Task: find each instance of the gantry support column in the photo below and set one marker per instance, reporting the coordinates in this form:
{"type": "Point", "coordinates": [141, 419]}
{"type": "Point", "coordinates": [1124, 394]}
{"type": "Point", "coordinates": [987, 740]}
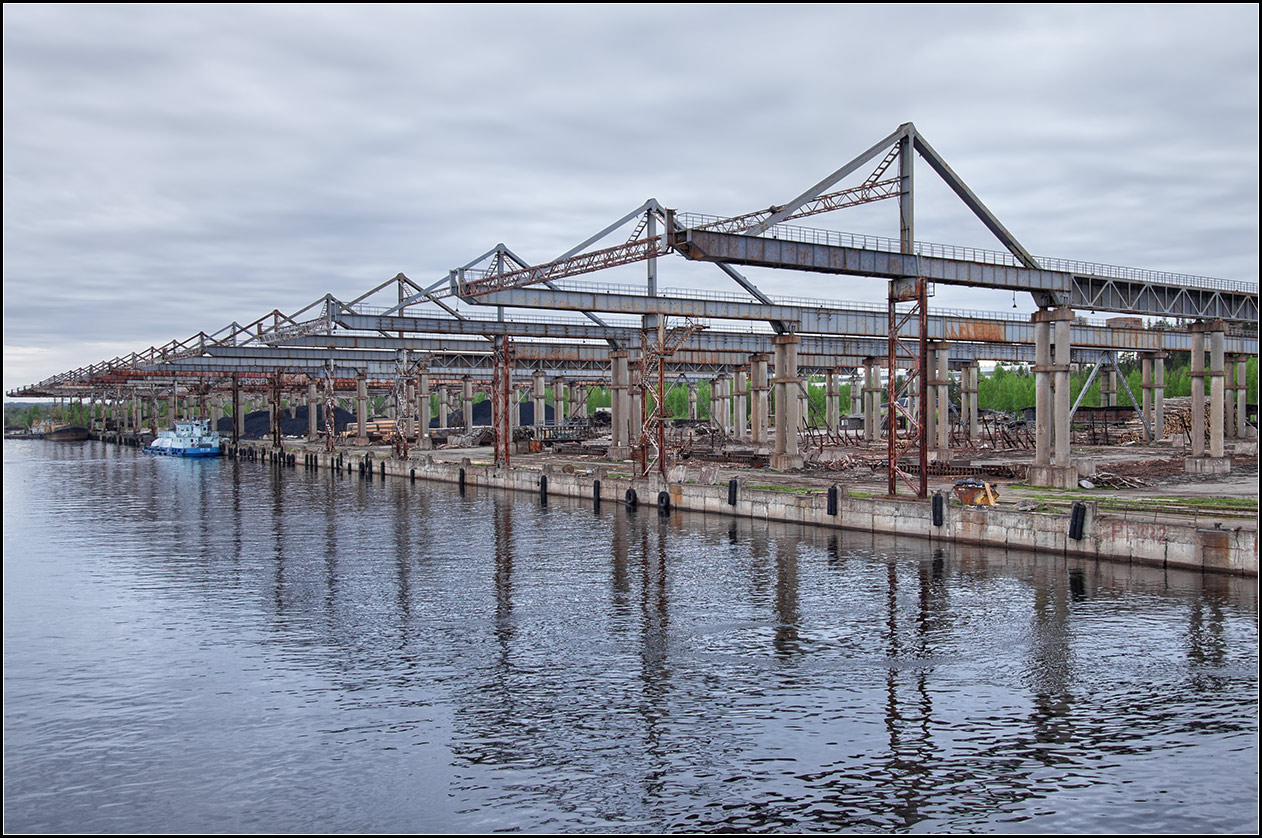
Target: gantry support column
{"type": "Point", "coordinates": [758, 401]}
{"type": "Point", "coordinates": [1052, 466]}
{"type": "Point", "coordinates": [467, 403]}
{"type": "Point", "coordinates": [620, 402]}
{"type": "Point", "coordinates": [538, 396]}
{"type": "Point", "coordinates": [740, 414]}
{"type": "Point", "coordinates": [312, 415]}
{"type": "Point", "coordinates": [938, 410]}
{"type": "Point", "coordinates": [871, 400]}
{"type": "Point", "coordinates": [1145, 386]}
{"type": "Point", "coordinates": [1215, 462]}
{"type": "Point", "coordinates": [1242, 396]}
{"type": "Point", "coordinates": [409, 410]}
{"type": "Point", "coordinates": [692, 400]}
{"type": "Point", "coordinates": [558, 401]}
{"type": "Point", "coordinates": [969, 416]}
{"type": "Point", "coordinates": [361, 410]}
{"type": "Point", "coordinates": [422, 410]}
{"type": "Point", "coordinates": [1229, 397]}
{"type": "Point", "coordinates": [787, 454]}
{"type": "Point", "coordinates": [444, 407]}
{"type": "Point", "coordinates": [856, 393]}
{"type": "Point", "coordinates": [832, 402]}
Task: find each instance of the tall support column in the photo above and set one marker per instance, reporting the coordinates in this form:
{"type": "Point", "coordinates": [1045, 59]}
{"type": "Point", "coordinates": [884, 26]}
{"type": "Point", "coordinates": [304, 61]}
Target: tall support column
{"type": "Point", "coordinates": [787, 382]}
{"type": "Point", "coordinates": [940, 436]}
{"type": "Point", "coordinates": [467, 403]}
{"type": "Point", "coordinates": [444, 407]}
{"type": "Point", "coordinates": [1197, 374]}
{"type": "Point", "coordinates": [409, 409]}
{"type": "Point", "coordinates": [538, 396]}
{"type": "Point", "coordinates": [1159, 394]}
{"type": "Point", "coordinates": [1229, 397]}
{"type": "Point", "coordinates": [559, 397]}
{"type": "Point", "coordinates": [804, 407]}
{"type": "Point", "coordinates": [1108, 389]}
{"type": "Point", "coordinates": [832, 402]}
{"type": "Point", "coordinates": [635, 391]}
{"type": "Point", "coordinates": [578, 400]}
{"type": "Point", "coordinates": [620, 407]}
{"type": "Point", "coordinates": [856, 393]}
{"type": "Point", "coordinates": [1060, 355]}
{"type": "Point", "coordinates": [692, 400]}
{"type": "Point", "coordinates": [1145, 386]}
{"type": "Point", "coordinates": [871, 400]}
{"type": "Point", "coordinates": [944, 401]}
{"type": "Point", "coordinates": [312, 415]}
{"type": "Point", "coordinates": [1051, 395]}
{"type": "Point", "coordinates": [758, 401]}
{"type": "Point", "coordinates": [1042, 392]}
{"type": "Point", "coordinates": [361, 410]}
{"type": "Point", "coordinates": [974, 409]}
{"type": "Point", "coordinates": [1217, 370]}
{"type": "Point", "coordinates": [1242, 395]}
{"type": "Point", "coordinates": [740, 413]}
{"type": "Point", "coordinates": [423, 405]}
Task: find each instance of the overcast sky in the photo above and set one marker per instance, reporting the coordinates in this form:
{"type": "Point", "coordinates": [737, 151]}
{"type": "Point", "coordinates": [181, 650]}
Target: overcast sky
{"type": "Point", "coordinates": [170, 169]}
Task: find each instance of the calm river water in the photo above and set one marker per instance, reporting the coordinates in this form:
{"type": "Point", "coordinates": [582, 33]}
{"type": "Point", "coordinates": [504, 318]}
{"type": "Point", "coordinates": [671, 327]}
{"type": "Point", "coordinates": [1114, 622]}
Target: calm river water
{"type": "Point", "coordinates": [234, 647]}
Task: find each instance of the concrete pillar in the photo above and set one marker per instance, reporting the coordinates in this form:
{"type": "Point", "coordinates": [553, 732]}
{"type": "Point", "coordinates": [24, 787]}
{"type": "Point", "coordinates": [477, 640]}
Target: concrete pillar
{"type": "Point", "coordinates": [312, 431]}
{"type": "Point", "coordinates": [1145, 386]}
{"type": "Point", "coordinates": [636, 393]}
{"type": "Point", "coordinates": [216, 409]}
{"type": "Point", "coordinates": [422, 404]}
{"type": "Point", "coordinates": [620, 402]}
{"type": "Point", "coordinates": [787, 454]}
{"type": "Point", "coordinates": [467, 403]}
{"type": "Point", "coordinates": [832, 402]}
{"type": "Point", "coordinates": [940, 407]}
{"type": "Point", "coordinates": [856, 393]}
{"type": "Point", "coordinates": [1217, 370]}
{"type": "Point", "coordinates": [1051, 370]}
{"type": "Point", "coordinates": [1159, 395]}
{"type": "Point", "coordinates": [1242, 396]}
{"type": "Point", "coordinates": [1060, 356]}
{"type": "Point", "coordinates": [409, 408]}
{"type": "Point", "coordinates": [578, 401]}
{"type": "Point", "coordinates": [1108, 388]}
{"type": "Point", "coordinates": [871, 400]}
{"type": "Point", "coordinates": [758, 401]}
{"type": "Point", "coordinates": [1042, 392]}
{"type": "Point", "coordinates": [974, 411]}
{"type": "Point", "coordinates": [740, 414]}
{"type": "Point", "coordinates": [804, 407]}
{"type": "Point", "coordinates": [238, 419]}
{"type": "Point", "coordinates": [1229, 399]}
{"type": "Point", "coordinates": [559, 395]}
{"type": "Point", "coordinates": [444, 407]}
{"type": "Point", "coordinates": [361, 409]}
{"type": "Point", "coordinates": [538, 396]}
{"type": "Point", "coordinates": [1197, 375]}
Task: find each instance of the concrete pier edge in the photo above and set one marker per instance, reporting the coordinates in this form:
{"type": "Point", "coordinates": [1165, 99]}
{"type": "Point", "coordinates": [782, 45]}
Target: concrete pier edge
{"type": "Point", "coordinates": [1105, 536]}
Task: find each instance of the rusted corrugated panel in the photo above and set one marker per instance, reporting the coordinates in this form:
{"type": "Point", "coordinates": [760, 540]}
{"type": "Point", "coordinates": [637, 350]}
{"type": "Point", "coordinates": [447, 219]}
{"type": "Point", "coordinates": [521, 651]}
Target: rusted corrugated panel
{"type": "Point", "coordinates": [980, 331]}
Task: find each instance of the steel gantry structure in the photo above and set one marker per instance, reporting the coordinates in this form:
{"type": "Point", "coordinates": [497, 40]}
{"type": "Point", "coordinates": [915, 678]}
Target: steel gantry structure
{"type": "Point", "coordinates": [420, 340]}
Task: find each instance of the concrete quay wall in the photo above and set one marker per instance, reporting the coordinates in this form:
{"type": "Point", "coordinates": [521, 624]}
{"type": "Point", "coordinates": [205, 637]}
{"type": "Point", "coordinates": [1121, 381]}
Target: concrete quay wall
{"type": "Point", "coordinates": [1103, 536]}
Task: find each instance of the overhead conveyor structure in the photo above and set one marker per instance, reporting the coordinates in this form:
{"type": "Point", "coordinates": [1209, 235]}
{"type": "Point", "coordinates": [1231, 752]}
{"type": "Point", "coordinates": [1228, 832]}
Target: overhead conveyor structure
{"type": "Point", "coordinates": [408, 339]}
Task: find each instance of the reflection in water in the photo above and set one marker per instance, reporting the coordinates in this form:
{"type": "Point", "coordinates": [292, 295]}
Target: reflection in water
{"type": "Point", "coordinates": [346, 654]}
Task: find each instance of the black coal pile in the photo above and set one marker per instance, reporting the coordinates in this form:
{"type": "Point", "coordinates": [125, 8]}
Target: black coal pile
{"type": "Point", "coordinates": [482, 415]}
{"type": "Point", "coordinates": [257, 424]}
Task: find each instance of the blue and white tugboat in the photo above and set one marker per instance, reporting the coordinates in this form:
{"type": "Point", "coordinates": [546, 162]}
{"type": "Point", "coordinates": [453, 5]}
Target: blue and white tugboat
{"type": "Point", "coordinates": [188, 439]}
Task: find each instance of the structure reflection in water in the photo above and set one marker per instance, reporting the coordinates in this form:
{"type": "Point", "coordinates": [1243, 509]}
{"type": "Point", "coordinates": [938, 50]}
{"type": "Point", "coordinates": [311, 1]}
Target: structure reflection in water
{"type": "Point", "coordinates": [407, 654]}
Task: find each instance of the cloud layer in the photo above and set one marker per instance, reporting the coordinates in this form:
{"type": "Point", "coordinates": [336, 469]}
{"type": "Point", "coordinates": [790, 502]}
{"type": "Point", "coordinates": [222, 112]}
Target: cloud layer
{"type": "Point", "coordinates": [169, 169]}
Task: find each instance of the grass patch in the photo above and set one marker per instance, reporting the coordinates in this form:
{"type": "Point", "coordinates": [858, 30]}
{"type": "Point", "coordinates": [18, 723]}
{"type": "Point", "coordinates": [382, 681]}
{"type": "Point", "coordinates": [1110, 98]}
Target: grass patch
{"type": "Point", "coordinates": [769, 487]}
